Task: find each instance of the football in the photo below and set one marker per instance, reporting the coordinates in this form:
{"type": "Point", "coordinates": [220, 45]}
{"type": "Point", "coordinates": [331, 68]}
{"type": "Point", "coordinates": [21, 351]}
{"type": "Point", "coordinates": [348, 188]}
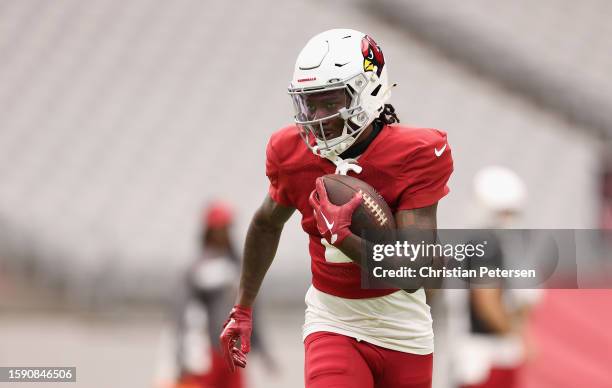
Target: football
{"type": "Point", "coordinates": [373, 218]}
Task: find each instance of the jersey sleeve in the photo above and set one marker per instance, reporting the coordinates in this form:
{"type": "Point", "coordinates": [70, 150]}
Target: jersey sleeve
{"type": "Point", "coordinates": [426, 172]}
{"type": "Point", "coordinates": [277, 191]}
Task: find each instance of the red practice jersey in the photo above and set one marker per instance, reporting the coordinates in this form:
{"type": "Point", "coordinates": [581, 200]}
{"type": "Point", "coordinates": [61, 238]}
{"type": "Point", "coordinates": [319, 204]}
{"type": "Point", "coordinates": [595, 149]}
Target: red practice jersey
{"type": "Point", "coordinates": [409, 167]}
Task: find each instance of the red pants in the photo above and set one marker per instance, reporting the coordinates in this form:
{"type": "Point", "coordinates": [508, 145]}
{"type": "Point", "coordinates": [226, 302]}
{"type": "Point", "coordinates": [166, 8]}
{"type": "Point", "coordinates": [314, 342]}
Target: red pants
{"type": "Point", "coordinates": [219, 376]}
{"type": "Point", "coordinates": [338, 361]}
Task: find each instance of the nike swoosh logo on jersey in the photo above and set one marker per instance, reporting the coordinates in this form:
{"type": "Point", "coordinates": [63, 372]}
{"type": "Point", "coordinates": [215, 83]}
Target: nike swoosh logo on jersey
{"type": "Point", "coordinates": [329, 225]}
{"type": "Point", "coordinates": [440, 151]}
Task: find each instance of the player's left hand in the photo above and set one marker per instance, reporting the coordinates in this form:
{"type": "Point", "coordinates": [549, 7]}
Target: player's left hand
{"type": "Point", "coordinates": [333, 221]}
{"type": "Point", "coordinates": [239, 326]}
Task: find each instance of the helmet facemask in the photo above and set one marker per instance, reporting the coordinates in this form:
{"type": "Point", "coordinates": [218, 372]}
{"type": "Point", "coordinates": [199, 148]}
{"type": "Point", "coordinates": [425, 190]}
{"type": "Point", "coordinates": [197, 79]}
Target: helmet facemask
{"type": "Point", "coordinates": [321, 111]}
{"type": "Point", "coordinates": [346, 62]}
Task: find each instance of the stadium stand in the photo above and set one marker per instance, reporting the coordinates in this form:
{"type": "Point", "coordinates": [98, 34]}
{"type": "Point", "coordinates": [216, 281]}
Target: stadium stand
{"type": "Point", "coordinates": [118, 119]}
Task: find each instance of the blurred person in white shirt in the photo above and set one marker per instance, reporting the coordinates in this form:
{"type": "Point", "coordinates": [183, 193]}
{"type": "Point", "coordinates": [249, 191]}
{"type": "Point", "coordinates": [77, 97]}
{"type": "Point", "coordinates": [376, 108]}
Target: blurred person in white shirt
{"type": "Point", "coordinates": [488, 324]}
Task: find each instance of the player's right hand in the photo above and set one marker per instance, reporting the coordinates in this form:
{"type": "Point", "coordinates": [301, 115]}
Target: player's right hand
{"type": "Point", "coordinates": [237, 327]}
{"type": "Point", "coordinates": [332, 221]}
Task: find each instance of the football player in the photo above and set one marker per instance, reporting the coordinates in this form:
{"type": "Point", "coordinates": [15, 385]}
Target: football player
{"type": "Point", "coordinates": [353, 337]}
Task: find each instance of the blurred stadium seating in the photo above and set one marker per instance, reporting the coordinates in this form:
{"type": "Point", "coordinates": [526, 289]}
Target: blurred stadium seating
{"type": "Point", "coordinates": [556, 53]}
{"type": "Point", "coordinates": [119, 119]}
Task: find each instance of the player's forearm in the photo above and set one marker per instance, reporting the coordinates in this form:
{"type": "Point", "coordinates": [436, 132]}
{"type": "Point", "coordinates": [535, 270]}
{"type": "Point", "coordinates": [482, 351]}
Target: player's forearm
{"type": "Point", "coordinates": [259, 251]}
{"type": "Point", "coordinates": [357, 250]}
{"type": "Point", "coordinates": [353, 247]}
{"type": "Point", "coordinates": [490, 309]}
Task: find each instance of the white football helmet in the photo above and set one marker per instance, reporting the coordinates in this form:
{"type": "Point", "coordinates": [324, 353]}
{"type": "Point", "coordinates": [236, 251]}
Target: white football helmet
{"type": "Point", "coordinates": [500, 189]}
{"type": "Point", "coordinates": [339, 60]}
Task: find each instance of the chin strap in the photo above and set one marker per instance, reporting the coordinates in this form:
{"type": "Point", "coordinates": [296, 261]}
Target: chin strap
{"type": "Point", "coordinates": [343, 166]}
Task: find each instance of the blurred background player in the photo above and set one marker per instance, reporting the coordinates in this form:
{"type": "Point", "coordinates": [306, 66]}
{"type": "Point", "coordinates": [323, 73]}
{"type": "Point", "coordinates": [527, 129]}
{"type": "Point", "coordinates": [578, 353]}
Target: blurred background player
{"type": "Point", "coordinates": [488, 324]}
{"type": "Point", "coordinates": [606, 193]}
{"type": "Point", "coordinates": [211, 291]}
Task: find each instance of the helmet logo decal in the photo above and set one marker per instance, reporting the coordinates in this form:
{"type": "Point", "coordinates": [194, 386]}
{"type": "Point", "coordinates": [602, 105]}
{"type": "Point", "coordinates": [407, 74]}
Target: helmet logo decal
{"type": "Point", "coordinates": [373, 59]}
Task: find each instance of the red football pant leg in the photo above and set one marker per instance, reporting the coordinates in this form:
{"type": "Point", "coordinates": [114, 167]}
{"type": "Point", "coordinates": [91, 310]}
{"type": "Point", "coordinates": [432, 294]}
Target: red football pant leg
{"type": "Point", "coordinates": [338, 361]}
{"type": "Point", "coordinates": [219, 375]}
{"type": "Point", "coordinates": [332, 361]}
{"type": "Point", "coordinates": [404, 370]}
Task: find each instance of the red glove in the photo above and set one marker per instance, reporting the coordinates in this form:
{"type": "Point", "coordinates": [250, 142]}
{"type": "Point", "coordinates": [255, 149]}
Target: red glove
{"type": "Point", "coordinates": [332, 221]}
{"type": "Point", "coordinates": [237, 327]}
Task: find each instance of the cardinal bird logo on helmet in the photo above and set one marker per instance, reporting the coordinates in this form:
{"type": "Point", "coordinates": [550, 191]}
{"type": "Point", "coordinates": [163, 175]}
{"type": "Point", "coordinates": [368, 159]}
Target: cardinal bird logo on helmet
{"type": "Point", "coordinates": [373, 59]}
